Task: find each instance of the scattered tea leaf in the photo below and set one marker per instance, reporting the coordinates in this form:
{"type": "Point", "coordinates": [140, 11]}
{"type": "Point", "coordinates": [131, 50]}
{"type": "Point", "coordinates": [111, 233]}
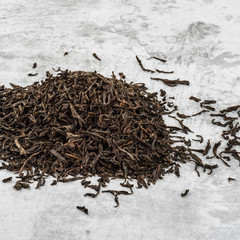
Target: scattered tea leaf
{"type": "Point", "coordinates": [6, 180]}
{"type": "Point", "coordinates": [83, 209]}
{"type": "Point", "coordinates": [95, 55]}
{"type": "Point", "coordinates": [185, 193]}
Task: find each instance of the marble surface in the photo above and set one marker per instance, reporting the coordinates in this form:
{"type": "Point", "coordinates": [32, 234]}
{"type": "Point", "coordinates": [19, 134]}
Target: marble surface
{"type": "Point", "coordinates": [201, 41]}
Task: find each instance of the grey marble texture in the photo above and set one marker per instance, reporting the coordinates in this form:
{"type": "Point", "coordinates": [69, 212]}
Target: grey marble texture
{"type": "Point", "coordinates": [201, 41]}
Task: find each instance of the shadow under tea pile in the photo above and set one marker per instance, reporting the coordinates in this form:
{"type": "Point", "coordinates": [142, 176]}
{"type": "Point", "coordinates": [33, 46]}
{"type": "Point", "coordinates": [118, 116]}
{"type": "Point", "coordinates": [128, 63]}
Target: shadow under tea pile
{"type": "Point", "coordinates": [83, 124]}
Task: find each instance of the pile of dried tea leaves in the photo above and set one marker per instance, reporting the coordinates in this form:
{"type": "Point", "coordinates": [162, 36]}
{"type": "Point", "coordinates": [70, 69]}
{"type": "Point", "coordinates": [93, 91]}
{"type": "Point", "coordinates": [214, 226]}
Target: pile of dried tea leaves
{"type": "Point", "coordinates": [79, 124]}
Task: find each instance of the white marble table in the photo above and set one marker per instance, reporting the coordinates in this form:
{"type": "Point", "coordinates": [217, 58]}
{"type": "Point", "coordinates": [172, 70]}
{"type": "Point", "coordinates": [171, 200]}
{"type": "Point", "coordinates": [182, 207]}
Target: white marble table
{"type": "Point", "coordinates": [200, 39]}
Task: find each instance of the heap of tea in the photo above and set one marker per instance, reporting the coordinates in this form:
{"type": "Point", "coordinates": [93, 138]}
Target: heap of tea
{"type": "Point", "coordinates": [81, 124]}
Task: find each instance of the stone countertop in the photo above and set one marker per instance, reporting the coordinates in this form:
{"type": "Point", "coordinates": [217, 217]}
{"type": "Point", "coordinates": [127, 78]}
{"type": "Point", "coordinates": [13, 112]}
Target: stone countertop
{"type": "Point", "coordinates": [201, 41]}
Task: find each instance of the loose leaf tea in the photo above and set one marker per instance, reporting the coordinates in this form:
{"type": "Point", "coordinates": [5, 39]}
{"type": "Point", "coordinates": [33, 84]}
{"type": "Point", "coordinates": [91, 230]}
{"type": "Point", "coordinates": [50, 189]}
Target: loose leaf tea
{"type": "Point", "coordinates": [199, 140]}
{"type": "Point", "coordinates": [195, 99]}
{"type": "Point", "coordinates": [95, 55]}
{"type": "Point", "coordinates": [230, 123]}
{"type": "Point", "coordinates": [142, 67]}
{"type": "Point", "coordinates": [207, 102]}
{"type": "Point", "coordinates": [9, 179]}
{"type": "Point", "coordinates": [209, 108]}
{"type": "Point", "coordinates": [185, 129]}
{"type": "Point", "coordinates": [54, 182]}
{"type": "Point", "coordinates": [231, 179]}
{"type": "Point", "coordinates": [79, 124]}
{"type": "Point", "coordinates": [207, 148]}
{"type": "Point", "coordinates": [199, 113]}
{"type": "Point", "coordinates": [230, 109]}
{"type": "Point", "coordinates": [157, 58]}
{"type": "Point", "coordinates": [183, 115]}
{"type": "Point", "coordinates": [162, 93]}
{"type": "Point", "coordinates": [116, 194]}
{"type": "Point", "coordinates": [172, 83]}
{"type": "Point", "coordinates": [122, 75]}
{"type": "Point", "coordinates": [19, 185]}
{"type": "Point", "coordinates": [83, 209]}
{"type": "Point", "coordinates": [185, 193]}
{"type": "Point", "coordinates": [32, 74]}
{"type": "Point", "coordinates": [165, 72]}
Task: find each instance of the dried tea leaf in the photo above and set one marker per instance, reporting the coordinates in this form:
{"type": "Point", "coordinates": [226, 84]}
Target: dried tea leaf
{"type": "Point", "coordinates": [83, 209]}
